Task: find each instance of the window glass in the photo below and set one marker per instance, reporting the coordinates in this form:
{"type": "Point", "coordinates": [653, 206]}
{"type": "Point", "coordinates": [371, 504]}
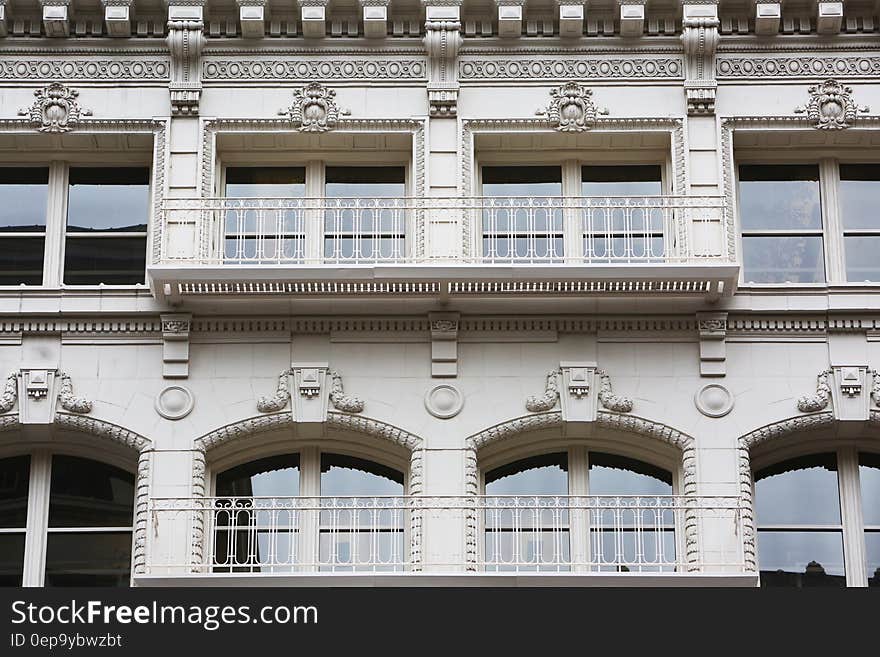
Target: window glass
{"type": "Point", "coordinates": [862, 263]}
{"type": "Point", "coordinates": [24, 191]}
{"type": "Point", "coordinates": [265, 182]}
{"type": "Point", "coordinates": [93, 559]}
{"type": "Point", "coordinates": [275, 476]}
{"type": "Point", "coordinates": [779, 197]}
{"type": "Point", "coordinates": [869, 480]}
{"type": "Point", "coordinates": [621, 180]}
{"type": "Point", "coordinates": [86, 493]}
{"type": "Point", "coordinates": [860, 195]}
{"type": "Point", "coordinates": [618, 475]}
{"type": "Point", "coordinates": [349, 476]}
{"type": "Point", "coordinates": [108, 199]}
{"type": "Point", "coordinates": [793, 558]}
{"type": "Point", "coordinates": [95, 260]}
{"type": "Point", "coordinates": [538, 475]}
{"type": "Point", "coordinates": [783, 259]}
{"type": "Point", "coordinates": [11, 559]}
{"type": "Point", "coordinates": [14, 474]}
{"type": "Point", "coordinates": [365, 182]}
{"type": "Point", "coordinates": [522, 181]}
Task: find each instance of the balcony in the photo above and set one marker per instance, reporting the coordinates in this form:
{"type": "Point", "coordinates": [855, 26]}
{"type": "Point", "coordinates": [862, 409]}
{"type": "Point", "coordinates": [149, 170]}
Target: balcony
{"type": "Point", "coordinates": [443, 247]}
{"type": "Point", "coordinates": [252, 540]}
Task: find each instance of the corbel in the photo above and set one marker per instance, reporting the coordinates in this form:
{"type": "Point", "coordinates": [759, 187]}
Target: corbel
{"type": "Point", "coordinates": [117, 17]}
{"type": "Point", "coordinates": [186, 23]}
{"type": "Point", "coordinates": [3, 17]}
{"type": "Point", "coordinates": [313, 18]}
{"type": "Point", "coordinates": [375, 18]}
{"type": "Point", "coordinates": [632, 17]}
{"type": "Point", "coordinates": [56, 17]}
{"type": "Point", "coordinates": [829, 17]}
{"type": "Point", "coordinates": [310, 392]}
{"type": "Point", "coordinates": [510, 17]}
{"type": "Point", "coordinates": [252, 18]}
{"type": "Point", "coordinates": [767, 17]}
{"type": "Point", "coordinates": [571, 18]}
{"type": "Point", "coordinates": [578, 397]}
{"type": "Point", "coordinates": [442, 43]}
{"type": "Point", "coordinates": [700, 38]}
{"type": "Point", "coordinates": [712, 328]}
{"type": "Point", "coordinates": [175, 345]}
{"type": "Point", "coordinates": [36, 394]}
{"type": "Point", "coordinates": [850, 392]}
{"type": "Point", "coordinates": [444, 344]}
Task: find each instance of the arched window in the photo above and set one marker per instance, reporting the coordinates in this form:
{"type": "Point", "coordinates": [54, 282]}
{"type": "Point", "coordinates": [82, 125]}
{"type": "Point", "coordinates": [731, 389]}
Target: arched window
{"type": "Point", "coordinates": [579, 510]}
{"type": "Point", "coordinates": [85, 531]}
{"type": "Point", "coordinates": [818, 520]}
{"type": "Point", "coordinates": [309, 511]}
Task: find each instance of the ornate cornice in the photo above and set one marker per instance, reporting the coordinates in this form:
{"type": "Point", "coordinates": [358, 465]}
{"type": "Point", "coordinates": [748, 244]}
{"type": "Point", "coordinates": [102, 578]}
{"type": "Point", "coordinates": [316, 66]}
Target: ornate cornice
{"type": "Point", "coordinates": [61, 67]}
{"type": "Point", "coordinates": [804, 66]}
{"type": "Point", "coordinates": [411, 69]}
{"type": "Point", "coordinates": [559, 69]}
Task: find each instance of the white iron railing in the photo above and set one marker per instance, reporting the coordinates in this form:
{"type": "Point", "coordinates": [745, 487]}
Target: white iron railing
{"type": "Point", "coordinates": [500, 230]}
{"type": "Point", "coordinates": [653, 534]}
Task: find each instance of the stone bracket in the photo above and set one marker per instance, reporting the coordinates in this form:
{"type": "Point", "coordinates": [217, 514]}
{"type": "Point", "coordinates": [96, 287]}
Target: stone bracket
{"type": "Point", "coordinates": [185, 42]}
{"type": "Point", "coordinates": [851, 394]}
{"type": "Point", "coordinates": [712, 328]}
{"type": "Point", "coordinates": [442, 43]}
{"type": "Point", "coordinates": [444, 344]}
{"type": "Point", "coordinates": [579, 395]}
{"type": "Point", "coordinates": [175, 345]}
{"type": "Point", "coordinates": [310, 392]}
{"type": "Point", "coordinates": [700, 38]}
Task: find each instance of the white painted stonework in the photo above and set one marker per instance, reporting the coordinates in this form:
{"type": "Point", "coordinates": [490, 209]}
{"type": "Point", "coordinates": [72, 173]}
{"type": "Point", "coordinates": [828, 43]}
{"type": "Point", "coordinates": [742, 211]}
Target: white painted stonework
{"type": "Point", "coordinates": [440, 360]}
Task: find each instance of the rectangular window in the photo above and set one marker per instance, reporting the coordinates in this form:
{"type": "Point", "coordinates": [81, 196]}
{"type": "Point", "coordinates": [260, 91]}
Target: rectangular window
{"type": "Point", "coordinates": [14, 483]}
{"type": "Point", "coordinates": [266, 221]}
{"type": "Point", "coordinates": [522, 214]}
{"type": "Point", "coordinates": [364, 216]}
{"type": "Point", "coordinates": [24, 192]}
{"type": "Point", "coordinates": [860, 216]}
{"type": "Point", "coordinates": [622, 217]}
{"type": "Point", "coordinates": [107, 214]}
{"type": "Point", "coordinates": [781, 218]}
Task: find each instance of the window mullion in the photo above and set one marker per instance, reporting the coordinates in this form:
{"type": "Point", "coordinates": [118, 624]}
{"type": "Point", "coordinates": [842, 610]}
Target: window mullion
{"type": "Point", "coordinates": [309, 518]}
{"type": "Point", "coordinates": [578, 513]}
{"type": "Point", "coordinates": [56, 218]}
{"type": "Point", "coordinates": [314, 218]}
{"type": "Point", "coordinates": [832, 222]}
{"type": "Point", "coordinates": [37, 519]}
{"type": "Point", "coordinates": [573, 220]}
{"type": "Point", "coordinates": [851, 516]}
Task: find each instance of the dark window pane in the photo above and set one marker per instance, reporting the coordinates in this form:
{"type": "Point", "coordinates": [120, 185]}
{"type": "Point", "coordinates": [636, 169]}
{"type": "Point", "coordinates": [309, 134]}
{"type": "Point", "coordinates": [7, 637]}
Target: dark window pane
{"type": "Point", "coordinates": [88, 559]}
{"type": "Point", "coordinates": [860, 195]}
{"type": "Point", "coordinates": [108, 260]}
{"type": "Point", "coordinates": [777, 197]}
{"type": "Point", "coordinates": [872, 557]}
{"type": "Point", "coordinates": [346, 475]}
{"type": "Point", "coordinates": [11, 559]}
{"type": "Point", "coordinates": [86, 493]}
{"type": "Point", "coordinates": [275, 476]}
{"type": "Point", "coordinates": [14, 477]}
{"type": "Point", "coordinates": [628, 180]}
{"type": "Point", "coordinates": [862, 261]}
{"type": "Point", "coordinates": [800, 491]}
{"type": "Point", "coordinates": [783, 260]}
{"type": "Point", "coordinates": [869, 479]}
{"type": "Point", "coordinates": [522, 181]}
{"type": "Point", "coordinates": [801, 558]}
{"type": "Point", "coordinates": [21, 260]}
{"type": "Point", "coordinates": [617, 475]}
{"type": "Point", "coordinates": [265, 182]}
{"type": "Point", "coordinates": [546, 474]}
{"type": "Point", "coordinates": [108, 199]}
{"type": "Point", "coordinates": [365, 182]}
{"type": "Point", "coordinates": [24, 191]}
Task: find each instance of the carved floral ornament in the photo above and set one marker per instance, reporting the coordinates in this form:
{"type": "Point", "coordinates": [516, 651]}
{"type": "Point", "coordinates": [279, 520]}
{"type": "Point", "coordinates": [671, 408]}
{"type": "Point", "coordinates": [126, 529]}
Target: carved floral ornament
{"type": "Point", "coordinates": [310, 388]}
{"type": "Point", "coordinates": [831, 106]}
{"type": "Point", "coordinates": [314, 109]}
{"type": "Point", "coordinates": [606, 396]}
{"type": "Point", "coordinates": [849, 386]}
{"type": "Point", "coordinates": [55, 109]}
{"type": "Point", "coordinates": [37, 389]}
{"type": "Point", "coordinates": [571, 108]}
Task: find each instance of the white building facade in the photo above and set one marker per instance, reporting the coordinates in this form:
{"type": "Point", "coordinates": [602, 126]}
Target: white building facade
{"type": "Point", "coordinates": [478, 293]}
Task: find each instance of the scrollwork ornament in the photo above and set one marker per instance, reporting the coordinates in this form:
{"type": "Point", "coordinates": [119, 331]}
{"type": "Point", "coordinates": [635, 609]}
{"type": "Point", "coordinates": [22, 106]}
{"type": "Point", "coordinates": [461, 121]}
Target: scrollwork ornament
{"type": "Point", "coordinates": [339, 399]}
{"type": "Point", "coordinates": [10, 393]}
{"type": "Point", "coordinates": [608, 399]}
{"type": "Point", "coordinates": [831, 106]}
{"type": "Point", "coordinates": [875, 388]}
{"type": "Point", "coordinates": [542, 403]}
{"type": "Point", "coordinates": [571, 108]}
{"type": "Point", "coordinates": [819, 400]}
{"type": "Point", "coordinates": [279, 400]}
{"type": "Point", "coordinates": [69, 401]}
{"type": "Point", "coordinates": [56, 109]}
{"type": "Point", "coordinates": [314, 109]}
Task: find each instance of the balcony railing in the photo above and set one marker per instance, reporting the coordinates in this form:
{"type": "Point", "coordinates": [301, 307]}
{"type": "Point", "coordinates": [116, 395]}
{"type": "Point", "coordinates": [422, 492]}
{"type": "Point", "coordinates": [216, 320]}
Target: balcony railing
{"type": "Point", "coordinates": [571, 534]}
{"type": "Point", "coordinates": [502, 230]}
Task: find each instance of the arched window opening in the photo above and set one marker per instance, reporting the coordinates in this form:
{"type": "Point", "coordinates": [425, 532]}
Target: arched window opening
{"type": "Point", "coordinates": [86, 529]}
{"type": "Point", "coordinates": [579, 511]}
{"type": "Point", "coordinates": [309, 511]}
{"type": "Point", "coordinates": [815, 514]}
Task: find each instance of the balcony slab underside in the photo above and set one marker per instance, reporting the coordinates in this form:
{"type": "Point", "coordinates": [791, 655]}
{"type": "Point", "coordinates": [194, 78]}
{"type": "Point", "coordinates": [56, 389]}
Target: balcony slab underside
{"type": "Point", "coordinates": [443, 280]}
{"type": "Point", "coordinates": [506, 580]}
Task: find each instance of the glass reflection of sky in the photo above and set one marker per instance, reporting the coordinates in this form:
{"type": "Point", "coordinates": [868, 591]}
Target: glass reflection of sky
{"type": "Point", "coordinates": [797, 497]}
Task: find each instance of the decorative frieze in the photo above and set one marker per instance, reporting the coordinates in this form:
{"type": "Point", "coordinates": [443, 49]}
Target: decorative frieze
{"type": "Point", "coordinates": [442, 43]}
{"type": "Point", "coordinates": [560, 68]}
{"type": "Point", "coordinates": [313, 69]}
{"type": "Point", "coordinates": [185, 42]}
{"type": "Point", "coordinates": [571, 108]}
{"type": "Point", "coordinates": [831, 106]}
{"type": "Point", "coordinates": [314, 109]}
{"type": "Point", "coordinates": [55, 109]}
{"type": "Point", "coordinates": [58, 68]}
{"type": "Point", "coordinates": [700, 39]}
{"type": "Point", "coordinates": [793, 66]}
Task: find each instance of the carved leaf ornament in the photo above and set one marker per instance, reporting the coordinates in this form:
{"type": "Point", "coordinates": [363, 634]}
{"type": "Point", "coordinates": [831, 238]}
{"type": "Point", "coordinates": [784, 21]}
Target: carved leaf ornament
{"type": "Point", "coordinates": [831, 106]}
{"type": "Point", "coordinates": [571, 108]}
{"type": "Point", "coordinates": [55, 110]}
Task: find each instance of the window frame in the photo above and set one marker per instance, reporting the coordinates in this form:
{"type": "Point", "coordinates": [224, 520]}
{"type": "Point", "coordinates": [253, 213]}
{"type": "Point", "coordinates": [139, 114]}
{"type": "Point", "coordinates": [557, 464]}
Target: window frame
{"type": "Point", "coordinates": [850, 496]}
{"type": "Point", "coordinates": [55, 236]}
